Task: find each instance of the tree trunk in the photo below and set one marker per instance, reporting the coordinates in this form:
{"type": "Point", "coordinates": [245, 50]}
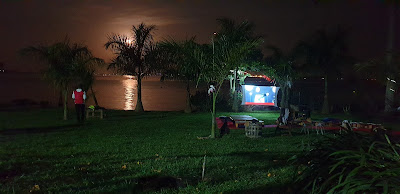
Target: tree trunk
{"type": "Point", "coordinates": [389, 97]}
{"type": "Point", "coordinates": [285, 97]}
{"type": "Point", "coordinates": [325, 106]}
{"type": "Point", "coordinates": [60, 99]}
{"type": "Point", "coordinates": [139, 105]}
{"type": "Point", "coordinates": [188, 108]}
{"type": "Point", "coordinates": [233, 89]}
{"type": "Point", "coordinates": [94, 97]}
{"type": "Point", "coordinates": [235, 107]}
{"type": "Point", "coordinates": [213, 114]}
{"type": "Point", "coordinates": [390, 86]}
{"type": "Point", "coordinates": [230, 83]}
{"type": "Point", "coordinates": [65, 104]}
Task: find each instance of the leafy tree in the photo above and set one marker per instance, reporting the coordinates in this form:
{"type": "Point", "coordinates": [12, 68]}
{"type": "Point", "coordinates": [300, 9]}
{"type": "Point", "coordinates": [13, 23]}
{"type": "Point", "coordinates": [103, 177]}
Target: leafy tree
{"type": "Point", "coordinates": [280, 67]}
{"type": "Point", "coordinates": [216, 69]}
{"type": "Point", "coordinates": [66, 63]}
{"type": "Point", "coordinates": [324, 52]}
{"type": "Point", "coordinates": [136, 55]}
{"type": "Point", "coordinates": [236, 33]}
{"type": "Point", "coordinates": [183, 64]}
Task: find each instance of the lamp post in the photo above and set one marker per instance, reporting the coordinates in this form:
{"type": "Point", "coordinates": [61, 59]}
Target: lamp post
{"type": "Point", "coordinates": [213, 47]}
{"type": "Point", "coordinates": [213, 95]}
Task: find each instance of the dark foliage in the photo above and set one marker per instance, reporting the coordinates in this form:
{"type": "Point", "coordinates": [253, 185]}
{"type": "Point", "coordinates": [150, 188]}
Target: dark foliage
{"type": "Point", "coordinates": [350, 163]}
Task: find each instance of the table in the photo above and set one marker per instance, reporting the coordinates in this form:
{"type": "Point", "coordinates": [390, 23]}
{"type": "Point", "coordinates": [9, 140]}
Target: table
{"type": "Point", "coordinates": [242, 120]}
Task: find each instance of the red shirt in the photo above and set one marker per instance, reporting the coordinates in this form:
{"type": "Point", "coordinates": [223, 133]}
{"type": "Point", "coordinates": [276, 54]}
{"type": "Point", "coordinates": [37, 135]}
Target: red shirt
{"type": "Point", "coordinates": [79, 97]}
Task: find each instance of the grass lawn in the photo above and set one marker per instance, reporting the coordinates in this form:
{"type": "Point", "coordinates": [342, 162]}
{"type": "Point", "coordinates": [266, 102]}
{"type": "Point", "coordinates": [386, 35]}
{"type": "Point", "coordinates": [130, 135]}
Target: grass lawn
{"type": "Point", "coordinates": [129, 152]}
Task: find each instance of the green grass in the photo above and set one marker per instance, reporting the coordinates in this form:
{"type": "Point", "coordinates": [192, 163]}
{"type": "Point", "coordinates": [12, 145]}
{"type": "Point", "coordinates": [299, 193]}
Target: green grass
{"type": "Point", "coordinates": [38, 148]}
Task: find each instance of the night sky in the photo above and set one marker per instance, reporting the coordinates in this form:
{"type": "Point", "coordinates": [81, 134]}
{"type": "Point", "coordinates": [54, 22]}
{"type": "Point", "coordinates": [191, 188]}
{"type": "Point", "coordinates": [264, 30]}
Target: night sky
{"type": "Point", "coordinates": [282, 23]}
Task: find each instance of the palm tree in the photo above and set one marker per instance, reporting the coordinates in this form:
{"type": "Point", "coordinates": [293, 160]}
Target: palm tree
{"type": "Point", "coordinates": [183, 64]}
{"type": "Point", "coordinates": [85, 73]}
{"type": "Point", "coordinates": [236, 33]}
{"type": "Point", "coordinates": [324, 53]}
{"type": "Point", "coordinates": [390, 68]}
{"type": "Point", "coordinates": [386, 70]}
{"type": "Point", "coordinates": [215, 70]}
{"type": "Point", "coordinates": [135, 55]}
{"type": "Point", "coordinates": [64, 61]}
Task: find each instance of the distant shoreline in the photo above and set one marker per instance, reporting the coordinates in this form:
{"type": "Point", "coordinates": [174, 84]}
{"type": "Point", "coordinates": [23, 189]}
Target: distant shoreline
{"type": "Point", "coordinates": [100, 75]}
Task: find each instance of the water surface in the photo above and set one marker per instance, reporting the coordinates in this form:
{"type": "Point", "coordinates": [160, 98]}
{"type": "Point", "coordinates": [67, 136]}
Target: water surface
{"type": "Point", "coordinates": [112, 92]}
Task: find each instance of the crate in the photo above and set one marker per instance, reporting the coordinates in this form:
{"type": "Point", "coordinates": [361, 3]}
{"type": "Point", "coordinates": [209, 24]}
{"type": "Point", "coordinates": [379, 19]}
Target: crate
{"type": "Point", "coordinates": [95, 113]}
{"type": "Point", "coordinates": [253, 130]}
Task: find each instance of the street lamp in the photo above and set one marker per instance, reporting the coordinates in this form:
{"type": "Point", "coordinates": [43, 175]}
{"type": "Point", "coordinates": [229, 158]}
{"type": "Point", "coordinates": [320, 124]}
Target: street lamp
{"type": "Point", "coordinates": [213, 47]}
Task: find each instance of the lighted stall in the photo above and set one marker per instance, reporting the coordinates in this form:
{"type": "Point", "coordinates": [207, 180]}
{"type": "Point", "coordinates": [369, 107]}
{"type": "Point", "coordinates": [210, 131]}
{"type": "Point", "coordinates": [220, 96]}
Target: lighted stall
{"type": "Point", "coordinates": [260, 95]}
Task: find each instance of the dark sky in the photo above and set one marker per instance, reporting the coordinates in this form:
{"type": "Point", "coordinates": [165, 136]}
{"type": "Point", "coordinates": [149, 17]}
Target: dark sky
{"type": "Point", "coordinates": [282, 22]}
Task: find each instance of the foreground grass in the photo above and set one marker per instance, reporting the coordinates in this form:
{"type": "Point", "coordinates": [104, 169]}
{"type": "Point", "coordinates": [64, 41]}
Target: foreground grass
{"type": "Point", "coordinates": [124, 151]}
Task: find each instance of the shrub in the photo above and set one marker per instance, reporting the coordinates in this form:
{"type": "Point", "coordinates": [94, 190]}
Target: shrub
{"type": "Point", "coordinates": [348, 163]}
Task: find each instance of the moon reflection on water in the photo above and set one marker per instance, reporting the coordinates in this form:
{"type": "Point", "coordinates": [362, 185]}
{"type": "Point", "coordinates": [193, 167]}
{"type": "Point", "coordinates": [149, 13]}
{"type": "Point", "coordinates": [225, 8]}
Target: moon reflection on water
{"type": "Point", "coordinates": [130, 86]}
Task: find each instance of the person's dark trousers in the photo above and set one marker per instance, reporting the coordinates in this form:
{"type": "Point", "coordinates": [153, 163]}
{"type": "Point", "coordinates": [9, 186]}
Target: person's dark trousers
{"type": "Point", "coordinates": [80, 112]}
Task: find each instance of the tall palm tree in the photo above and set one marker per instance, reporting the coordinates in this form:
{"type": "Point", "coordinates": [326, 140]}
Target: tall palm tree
{"type": "Point", "coordinates": [236, 33]}
{"type": "Point", "coordinates": [134, 55]}
{"type": "Point", "coordinates": [183, 64]}
{"type": "Point", "coordinates": [389, 66]}
{"type": "Point", "coordinates": [64, 61]}
{"type": "Point", "coordinates": [324, 53]}
{"type": "Point", "coordinates": [387, 69]}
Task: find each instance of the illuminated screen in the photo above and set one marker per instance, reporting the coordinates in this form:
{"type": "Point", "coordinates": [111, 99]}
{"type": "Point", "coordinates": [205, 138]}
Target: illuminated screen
{"type": "Point", "coordinates": [259, 95]}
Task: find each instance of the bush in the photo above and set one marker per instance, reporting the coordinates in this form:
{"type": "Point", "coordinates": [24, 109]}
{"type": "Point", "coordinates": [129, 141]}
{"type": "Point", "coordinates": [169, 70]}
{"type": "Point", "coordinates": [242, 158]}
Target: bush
{"type": "Point", "coordinates": [350, 162]}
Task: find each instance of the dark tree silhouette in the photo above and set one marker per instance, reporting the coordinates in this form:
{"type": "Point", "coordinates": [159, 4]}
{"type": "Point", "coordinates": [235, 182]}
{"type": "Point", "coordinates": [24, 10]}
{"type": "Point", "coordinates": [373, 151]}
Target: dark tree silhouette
{"type": "Point", "coordinates": [135, 55]}
{"type": "Point", "coordinates": [66, 62]}
{"type": "Point", "coordinates": [324, 53]}
{"type": "Point", "coordinates": [182, 64]}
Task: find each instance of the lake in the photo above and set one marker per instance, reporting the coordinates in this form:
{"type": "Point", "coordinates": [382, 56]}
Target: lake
{"type": "Point", "coordinates": [112, 92]}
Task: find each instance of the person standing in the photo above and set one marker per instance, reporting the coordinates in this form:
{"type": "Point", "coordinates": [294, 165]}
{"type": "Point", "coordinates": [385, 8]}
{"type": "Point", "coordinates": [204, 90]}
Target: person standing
{"type": "Point", "coordinates": [79, 97]}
